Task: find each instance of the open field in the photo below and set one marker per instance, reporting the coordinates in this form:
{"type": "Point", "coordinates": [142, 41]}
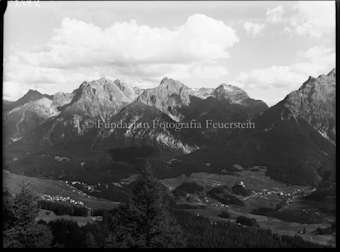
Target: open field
{"type": "Point", "coordinates": [82, 221]}
{"type": "Point", "coordinates": [254, 180]}
{"type": "Point", "coordinates": [13, 183]}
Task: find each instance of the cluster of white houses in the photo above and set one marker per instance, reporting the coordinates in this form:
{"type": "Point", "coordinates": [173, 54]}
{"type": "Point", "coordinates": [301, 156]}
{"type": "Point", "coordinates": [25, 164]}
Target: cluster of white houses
{"type": "Point", "coordinates": [265, 192]}
{"type": "Point", "coordinates": [215, 184]}
{"type": "Point", "coordinates": [61, 198]}
{"type": "Point", "coordinates": [89, 188]}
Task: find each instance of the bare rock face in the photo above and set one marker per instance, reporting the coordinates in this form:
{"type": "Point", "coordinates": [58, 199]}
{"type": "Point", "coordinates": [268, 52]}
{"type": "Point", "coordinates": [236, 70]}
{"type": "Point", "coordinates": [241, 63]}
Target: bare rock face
{"type": "Point", "coordinates": [129, 92]}
{"type": "Point", "coordinates": [138, 90]}
{"type": "Point", "coordinates": [61, 98]}
{"type": "Point", "coordinates": [143, 131]}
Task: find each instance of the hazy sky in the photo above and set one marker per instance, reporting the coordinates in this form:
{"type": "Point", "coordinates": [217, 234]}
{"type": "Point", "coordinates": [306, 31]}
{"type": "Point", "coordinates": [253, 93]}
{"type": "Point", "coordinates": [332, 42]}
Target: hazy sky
{"type": "Point", "coordinates": [267, 48]}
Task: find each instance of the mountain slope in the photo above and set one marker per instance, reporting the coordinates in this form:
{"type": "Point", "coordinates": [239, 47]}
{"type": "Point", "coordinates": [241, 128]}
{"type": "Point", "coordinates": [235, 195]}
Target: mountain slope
{"type": "Point", "coordinates": [29, 112]}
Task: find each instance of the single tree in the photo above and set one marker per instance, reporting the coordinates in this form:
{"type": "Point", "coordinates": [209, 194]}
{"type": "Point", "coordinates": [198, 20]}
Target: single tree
{"type": "Point", "coordinates": [225, 215]}
{"type": "Point", "coordinates": [20, 228]}
{"type": "Point", "coordinates": [90, 241]}
{"type": "Point", "coordinates": [304, 230]}
{"type": "Point", "coordinates": [121, 223]}
{"type": "Point", "coordinates": [145, 221]}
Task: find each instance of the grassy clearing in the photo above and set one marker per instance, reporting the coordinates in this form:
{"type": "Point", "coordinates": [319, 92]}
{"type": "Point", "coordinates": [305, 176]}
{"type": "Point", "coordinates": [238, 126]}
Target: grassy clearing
{"type": "Point", "coordinates": [82, 221]}
{"type": "Point", "coordinates": [253, 180]}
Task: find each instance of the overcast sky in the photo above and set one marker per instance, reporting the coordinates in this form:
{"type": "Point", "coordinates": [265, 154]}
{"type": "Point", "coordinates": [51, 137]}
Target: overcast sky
{"type": "Point", "coordinates": [267, 48]}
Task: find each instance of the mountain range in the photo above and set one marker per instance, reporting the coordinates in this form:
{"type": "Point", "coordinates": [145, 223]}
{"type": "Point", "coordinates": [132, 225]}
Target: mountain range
{"type": "Point", "coordinates": [296, 135]}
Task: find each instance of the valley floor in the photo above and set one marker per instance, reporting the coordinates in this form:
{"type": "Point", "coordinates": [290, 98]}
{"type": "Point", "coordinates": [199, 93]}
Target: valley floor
{"type": "Point", "coordinates": [295, 214]}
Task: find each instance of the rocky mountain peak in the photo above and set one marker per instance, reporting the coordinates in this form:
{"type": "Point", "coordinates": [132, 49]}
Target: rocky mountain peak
{"type": "Point", "coordinates": [171, 84]}
{"type": "Point", "coordinates": [331, 73]}
{"type": "Point", "coordinates": [167, 97]}
{"type": "Point", "coordinates": [231, 93]}
{"type": "Point", "coordinates": [228, 87]}
{"type": "Point", "coordinates": [323, 85]}
{"type": "Point", "coordinates": [118, 81]}
{"type": "Point", "coordinates": [30, 96]}
{"type": "Point", "coordinates": [31, 91]}
{"type": "Point", "coordinates": [314, 101]}
{"type": "Point", "coordinates": [33, 94]}
{"type": "Point", "coordinates": [164, 80]}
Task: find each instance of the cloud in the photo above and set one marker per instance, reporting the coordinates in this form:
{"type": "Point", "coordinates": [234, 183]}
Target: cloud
{"type": "Point", "coordinates": [272, 102]}
{"type": "Point", "coordinates": [319, 54]}
{"type": "Point", "coordinates": [253, 28]}
{"type": "Point", "coordinates": [79, 50]}
{"type": "Point", "coordinates": [313, 18]}
{"type": "Point", "coordinates": [275, 15]}
{"type": "Point", "coordinates": [200, 38]}
{"type": "Point", "coordinates": [14, 88]}
{"type": "Point", "coordinates": [273, 77]}
{"type": "Point", "coordinates": [314, 61]}
{"type": "Point", "coordinates": [210, 72]}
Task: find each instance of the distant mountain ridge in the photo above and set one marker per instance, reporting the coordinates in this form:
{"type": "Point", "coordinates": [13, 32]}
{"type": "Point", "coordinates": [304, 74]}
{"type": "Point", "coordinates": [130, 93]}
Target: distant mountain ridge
{"type": "Point", "coordinates": [293, 139]}
{"type": "Point", "coordinates": [58, 118]}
